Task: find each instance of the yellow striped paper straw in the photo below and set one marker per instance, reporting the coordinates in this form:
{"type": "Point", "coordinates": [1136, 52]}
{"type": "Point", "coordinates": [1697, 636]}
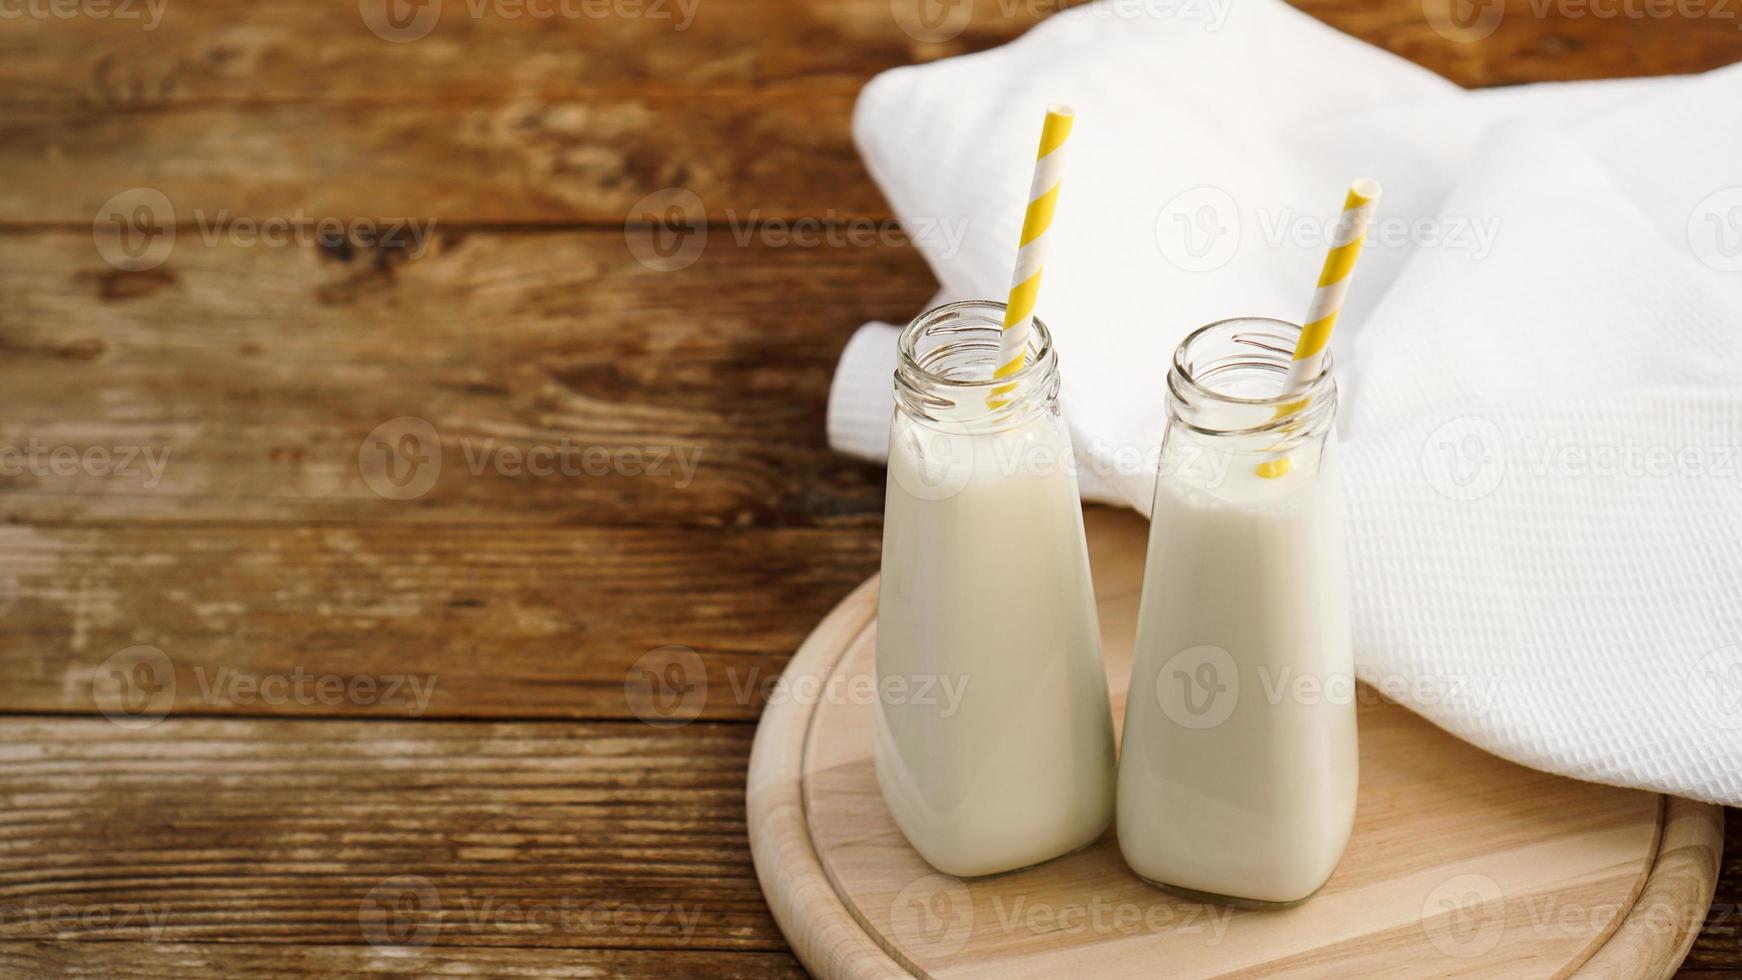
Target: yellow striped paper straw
{"type": "Point", "coordinates": [1315, 335]}
{"type": "Point", "coordinates": [1043, 196]}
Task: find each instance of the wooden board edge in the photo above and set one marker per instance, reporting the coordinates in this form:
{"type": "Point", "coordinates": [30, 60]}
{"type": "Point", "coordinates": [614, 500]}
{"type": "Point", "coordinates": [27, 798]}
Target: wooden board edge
{"type": "Point", "coordinates": [827, 939]}
{"type": "Point", "coordinates": [831, 941]}
{"type": "Point", "coordinates": [1677, 894]}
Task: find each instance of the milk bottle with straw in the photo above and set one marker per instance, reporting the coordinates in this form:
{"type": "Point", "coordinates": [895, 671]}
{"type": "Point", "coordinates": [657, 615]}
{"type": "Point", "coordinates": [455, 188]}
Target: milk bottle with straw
{"type": "Point", "coordinates": [1237, 772]}
{"type": "Point", "coordinates": [985, 589]}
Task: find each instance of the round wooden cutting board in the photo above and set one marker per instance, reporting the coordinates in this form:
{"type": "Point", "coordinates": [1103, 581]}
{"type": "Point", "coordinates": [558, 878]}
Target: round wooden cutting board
{"type": "Point", "coordinates": [1460, 864]}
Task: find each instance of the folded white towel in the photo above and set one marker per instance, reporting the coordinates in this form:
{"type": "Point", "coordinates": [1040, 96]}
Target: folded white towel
{"type": "Point", "coordinates": [1541, 359]}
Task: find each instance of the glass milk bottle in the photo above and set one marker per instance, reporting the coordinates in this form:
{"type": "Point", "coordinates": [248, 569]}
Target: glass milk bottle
{"type": "Point", "coordinates": [1237, 768]}
{"type": "Point", "coordinates": [994, 734]}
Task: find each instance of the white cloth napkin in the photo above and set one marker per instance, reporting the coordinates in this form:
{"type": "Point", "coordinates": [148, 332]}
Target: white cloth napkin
{"type": "Point", "coordinates": [1540, 362]}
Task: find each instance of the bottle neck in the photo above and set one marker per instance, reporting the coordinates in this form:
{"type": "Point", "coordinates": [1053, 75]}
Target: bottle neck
{"type": "Point", "coordinates": [945, 363]}
{"type": "Point", "coordinates": [1232, 428]}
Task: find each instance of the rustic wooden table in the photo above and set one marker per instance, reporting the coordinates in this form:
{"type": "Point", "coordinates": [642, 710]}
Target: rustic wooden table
{"type": "Point", "coordinates": [292, 688]}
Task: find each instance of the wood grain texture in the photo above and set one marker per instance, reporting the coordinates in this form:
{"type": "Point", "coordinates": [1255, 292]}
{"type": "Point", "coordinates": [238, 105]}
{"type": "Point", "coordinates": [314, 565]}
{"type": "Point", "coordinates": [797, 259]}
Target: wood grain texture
{"type": "Point", "coordinates": [1499, 870]}
{"type": "Point", "coordinates": [73, 960]}
{"type": "Point", "coordinates": [537, 162]}
{"type": "Point", "coordinates": [236, 52]}
{"type": "Point", "coordinates": [1718, 948]}
{"type": "Point", "coordinates": [812, 917]}
{"type": "Point", "coordinates": [233, 51]}
{"type": "Point", "coordinates": [265, 368]}
{"type": "Point", "coordinates": [515, 835]}
{"type": "Point", "coordinates": [1677, 897]}
{"type": "Point", "coordinates": [257, 111]}
{"type": "Point", "coordinates": [459, 622]}
{"type": "Point", "coordinates": [260, 371]}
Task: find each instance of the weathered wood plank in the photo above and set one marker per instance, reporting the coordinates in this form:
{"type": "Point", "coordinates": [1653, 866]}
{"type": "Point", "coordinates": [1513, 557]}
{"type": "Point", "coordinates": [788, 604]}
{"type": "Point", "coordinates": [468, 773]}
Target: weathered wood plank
{"type": "Point", "coordinates": [253, 377]}
{"type": "Point", "coordinates": [74, 960]}
{"type": "Point", "coordinates": [555, 162]}
{"type": "Point", "coordinates": [1718, 948]}
{"type": "Point", "coordinates": [233, 51]}
{"type": "Point", "coordinates": [400, 622]}
{"type": "Point", "coordinates": [275, 109]}
{"type": "Point", "coordinates": [385, 833]}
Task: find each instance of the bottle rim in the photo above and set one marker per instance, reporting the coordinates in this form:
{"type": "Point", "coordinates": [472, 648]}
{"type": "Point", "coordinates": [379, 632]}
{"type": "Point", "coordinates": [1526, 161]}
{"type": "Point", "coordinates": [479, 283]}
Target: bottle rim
{"type": "Point", "coordinates": [1041, 357]}
{"type": "Point", "coordinates": [1307, 404]}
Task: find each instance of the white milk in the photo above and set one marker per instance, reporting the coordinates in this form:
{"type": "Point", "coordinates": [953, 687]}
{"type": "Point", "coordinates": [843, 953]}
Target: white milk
{"type": "Point", "coordinates": [986, 591]}
{"type": "Point", "coordinates": [1237, 773]}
